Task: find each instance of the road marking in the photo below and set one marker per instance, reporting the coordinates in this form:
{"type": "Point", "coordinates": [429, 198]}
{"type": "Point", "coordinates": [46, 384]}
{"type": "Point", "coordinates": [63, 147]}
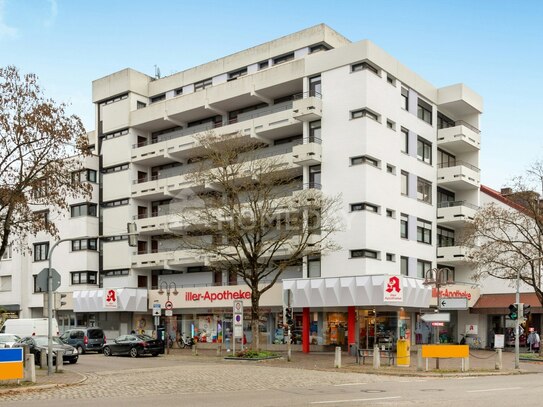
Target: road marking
{"type": "Point", "coordinates": [411, 381]}
{"type": "Point", "coordinates": [351, 400]}
{"type": "Point", "coordinates": [499, 389]}
{"type": "Point", "coordinates": [349, 384]}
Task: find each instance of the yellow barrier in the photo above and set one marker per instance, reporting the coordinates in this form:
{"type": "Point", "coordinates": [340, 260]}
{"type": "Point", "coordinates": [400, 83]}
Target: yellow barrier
{"type": "Point", "coordinates": [446, 352]}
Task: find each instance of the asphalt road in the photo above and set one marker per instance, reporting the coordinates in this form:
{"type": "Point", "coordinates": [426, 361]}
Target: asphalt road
{"type": "Point", "coordinates": [122, 381]}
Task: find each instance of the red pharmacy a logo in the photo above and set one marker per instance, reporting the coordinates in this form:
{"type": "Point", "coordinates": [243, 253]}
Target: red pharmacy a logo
{"type": "Point", "coordinates": [393, 285]}
{"type": "Point", "coordinates": [111, 296]}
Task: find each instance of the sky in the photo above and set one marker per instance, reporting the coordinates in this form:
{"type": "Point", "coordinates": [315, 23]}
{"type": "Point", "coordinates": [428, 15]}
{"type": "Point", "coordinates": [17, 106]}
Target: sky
{"type": "Point", "coordinates": [493, 46]}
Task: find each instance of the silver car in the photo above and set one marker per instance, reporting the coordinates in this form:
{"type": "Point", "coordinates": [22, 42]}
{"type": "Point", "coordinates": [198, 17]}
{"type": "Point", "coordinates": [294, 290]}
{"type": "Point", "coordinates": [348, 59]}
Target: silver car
{"type": "Point", "coordinates": [8, 340]}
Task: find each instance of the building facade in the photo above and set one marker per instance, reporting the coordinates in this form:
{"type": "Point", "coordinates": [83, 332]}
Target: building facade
{"type": "Point", "coordinates": [349, 119]}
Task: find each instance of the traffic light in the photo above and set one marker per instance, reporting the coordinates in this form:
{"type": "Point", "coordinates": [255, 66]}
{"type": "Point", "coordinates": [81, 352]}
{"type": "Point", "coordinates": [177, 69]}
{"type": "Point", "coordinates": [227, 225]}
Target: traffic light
{"type": "Point", "coordinates": [526, 310]}
{"type": "Point", "coordinates": [513, 311]}
{"type": "Point", "coordinates": [60, 300]}
{"type": "Point", "coordinates": [288, 316]}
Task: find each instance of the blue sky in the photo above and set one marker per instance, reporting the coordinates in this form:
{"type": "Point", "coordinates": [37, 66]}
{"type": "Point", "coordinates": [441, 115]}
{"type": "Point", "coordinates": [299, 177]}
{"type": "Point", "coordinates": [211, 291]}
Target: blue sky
{"type": "Point", "coordinates": [494, 47]}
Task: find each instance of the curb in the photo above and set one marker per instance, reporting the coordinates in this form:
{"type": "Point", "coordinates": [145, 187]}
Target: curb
{"type": "Point", "coordinates": [40, 387]}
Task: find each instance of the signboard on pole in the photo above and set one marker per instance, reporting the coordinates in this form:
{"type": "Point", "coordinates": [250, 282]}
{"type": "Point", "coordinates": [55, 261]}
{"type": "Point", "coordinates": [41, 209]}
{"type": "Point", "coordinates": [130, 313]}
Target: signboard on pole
{"type": "Point", "coordinates": [436, 317]}
{"type": "Point", "coordinates": [453, 303]}
{"type": "Point", "coordinates": [168, 312]}
{"type": "Point", "coordinates": [237, 312]}
{"type": "Point", "coordinates": [42, 278]}
{"type": "Point", "coordinates": [157, 309]}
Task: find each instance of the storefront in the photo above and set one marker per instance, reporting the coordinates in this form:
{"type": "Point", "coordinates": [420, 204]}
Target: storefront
{"type": "Point", "coordinates": [365, 310]}
{"type": "Point", "coordinates": [205, 313]}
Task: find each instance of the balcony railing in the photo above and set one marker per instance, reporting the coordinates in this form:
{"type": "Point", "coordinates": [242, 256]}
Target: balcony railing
{"type": "Point", "coordinates": [457, 163]}
{"type": "Point", "coordinates": [312, 139]}
{"type": "Point", "coordinates": [465, 124]}
{"type": "Point", "coordinates": [450, 204]}
{"type": "Point", "coordinates": [312, 185]}
{"type": "Point", "coordinates": [308, 94]}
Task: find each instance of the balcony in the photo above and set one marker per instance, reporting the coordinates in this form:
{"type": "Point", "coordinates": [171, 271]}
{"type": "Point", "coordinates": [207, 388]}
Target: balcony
{"type": "Point", "coordinates": [451, 254]}
{"type": "Point", "coordinates": [455, 213]}
{"type": "Point", "coordinates": [461, 138]}
{"type": "Point", "coordinates": [151, 260]}
{"type": "Point", "coordinates": [309, 153]}
{"type": "Point", "coordinates": [458, 175]}
{"type": "Point", "coordinates": [307, 107]}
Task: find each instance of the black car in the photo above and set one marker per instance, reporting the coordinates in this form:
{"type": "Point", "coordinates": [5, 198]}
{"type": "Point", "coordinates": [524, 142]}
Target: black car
{"type": "Point", "coordinates": [38, 344]}
{"type": "Point", "coordinates": [133, 345]}
{"type": "Point", "coordinates": [85, 339]}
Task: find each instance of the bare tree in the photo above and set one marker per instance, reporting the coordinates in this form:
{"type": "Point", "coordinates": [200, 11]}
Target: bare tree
{"type": "Point", "coordinates": [37, 142]}
{"type": "Point", "coordinates": [253, 219]}
{"type": "Point", "coordinates": [502, 240]}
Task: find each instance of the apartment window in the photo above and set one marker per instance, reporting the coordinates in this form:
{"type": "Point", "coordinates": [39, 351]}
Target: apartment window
{"type": "Point", "coordinates": [41, 251]}
{"type": "Point", "coordinates": [315, 131]}
{"type": "Point", "coordinates": [178, 91]}
{"type": "Point", "coordinates": [357, 114]}
{"type": "Point", "coordinates": [84, 244]}
{"type": "Point", "coordinates": [391, 80]}
{"type": "Point", "coordinates": [283, 58]}
{"type": "Point", "coordinates": [114, 99]}
{"type": "Point", "coordinates": [424, 231]}
{"type": "Point", "coordinates": [391, 125]}
{"type": "Point", "coordinates": [84, 277]}
{"type": "Point", "coordinates": [116, 168]}
{"type": "Point", "coordinates": [236, 74]}
{"type": "Point", "coordinates": [83, 175]}
{"type": "Point", "coordinates": [424, 150]}
{"type": "Point", "coordinates": [445, 160]}
{"type": "Point", "coordinates": [315, 86]}
{"type": "Point", "coordinates": [35, 287]}
{"type": "Point", "coordinates": [7, 253]}
{"type": "Point", "coordinates": [404, 179]}
{"type": "Point", "coordinates": [405, 140]}
{"type": "Point", "coordinates": [390, 257]}
{"type": "Point", "coordinates": [391, 169]}
{"type": "Point", "coordinates": [364, 206]}
{"type": "Point", "coordinates": [40, 189]}
{"type": "Point", "coordinates": [424, 111]}
{"type": "Point", "coordinates": [424, 190]}
{"type": "Point", "coordinates": [364, 159]}
{"type": "Point", "coordinates": [405, 98]}
{"type": "Point", "coordinates": [404, 226]}
{"type": "Point", "coordinates": [364, 66]}
{"type": "Point", "coordinates": [445, 237]}
{"type": "Point", "coordinates": [115, 134]}
{"type": "Point", "coordinates": [443, 122]}
{"type": "Point", "coordinates": [423, 267]}
{"type": "Point", "coordinates": [315, 176]}
{"type": "Point", "coordinates": [42, 217]}
{"type": "Point", "coordinates": [158, 98]}
{"type": "Point", "coordinates": [5, 283]}
{"type": "Point", "coordinates": [111, 204]}
{"type": "Point", "coordinates": [445, 196]}
{"type": "Point", "coordinates": [450, 274]}
{"type": "Point", "coordinates": [115, 273]}
{"type": "Point", "coordinates": [263, 65]}
{"type": "Point", "coordinates": [370, 254]}
{"type": "Point", "coordinates": [317, 48]}
{"type": "Point", "coordinates": [86, 209]}
{"type": "Point", "coordinates": [313, 267]}
{"type": "Point", "coordinates": [140, 105]}
{"type": "Point", "coordinates": [390, 213]}
{"type": "Point", "coordinates": [206, 83]}
{"type": "Point", "coordinates": [404, 266]}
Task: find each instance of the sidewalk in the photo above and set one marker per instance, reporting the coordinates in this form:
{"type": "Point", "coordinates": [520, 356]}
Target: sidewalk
{"type": "Point", "coordinates": [44, 381]}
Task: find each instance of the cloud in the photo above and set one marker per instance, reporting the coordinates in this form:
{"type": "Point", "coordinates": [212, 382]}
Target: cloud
{"type": "Point", "coordinates": [5, 30]}
{"type": "Point", "coordinates": [53, 16]}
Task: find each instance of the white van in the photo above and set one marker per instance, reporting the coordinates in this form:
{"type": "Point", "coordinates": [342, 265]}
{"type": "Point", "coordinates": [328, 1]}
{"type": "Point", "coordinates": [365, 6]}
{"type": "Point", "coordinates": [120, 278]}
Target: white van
{"type": "Point", "coordinates": [29, 327]}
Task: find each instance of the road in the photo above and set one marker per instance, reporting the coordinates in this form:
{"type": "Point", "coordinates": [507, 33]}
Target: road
{"type": "Point", "coordinates": [122, 381]}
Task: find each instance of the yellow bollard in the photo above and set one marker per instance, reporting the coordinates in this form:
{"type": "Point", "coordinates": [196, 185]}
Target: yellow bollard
{"type": "Point", "coordinates": [403, 353]}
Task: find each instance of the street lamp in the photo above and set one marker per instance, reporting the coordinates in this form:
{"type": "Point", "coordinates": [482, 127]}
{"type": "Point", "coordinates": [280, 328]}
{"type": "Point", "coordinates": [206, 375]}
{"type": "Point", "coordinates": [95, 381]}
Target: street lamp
{"type": "Point", "coordinates": [517, 301]}
{"type": "Point", "coordinates": [168, 287]}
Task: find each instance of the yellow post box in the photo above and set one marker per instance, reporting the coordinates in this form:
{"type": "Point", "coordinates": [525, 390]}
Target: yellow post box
{"type": "Point", "coordinates": [403, 353]}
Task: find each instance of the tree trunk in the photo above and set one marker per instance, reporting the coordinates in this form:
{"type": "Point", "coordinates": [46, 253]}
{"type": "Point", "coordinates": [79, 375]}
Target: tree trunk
{"type": "Point", "coordinates": [255, 318]}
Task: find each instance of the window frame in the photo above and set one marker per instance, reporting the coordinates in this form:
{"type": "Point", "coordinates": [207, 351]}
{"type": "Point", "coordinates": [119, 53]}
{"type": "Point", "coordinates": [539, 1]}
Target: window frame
{"type": "Point", "coordinates": [365, 112]}
{"type": "Point", "coordinates": [424, 231]}
{"type": "Point", "coordinates": [424, 111]}
{"type": "Point", "coordinates": [404, 183]}
{"type": "Point", "coordinates": [404, 226]}
{"type": "Point", "coordinates": [424, 190]}
{"type": "Point", "coordinates": [41, 251]}
{"type": "Point", "coordinates": [424, 150]}
{"type": "Point", "coordinates": [364, 254]}
{"type": "Point", "coordinates": [405, 98]}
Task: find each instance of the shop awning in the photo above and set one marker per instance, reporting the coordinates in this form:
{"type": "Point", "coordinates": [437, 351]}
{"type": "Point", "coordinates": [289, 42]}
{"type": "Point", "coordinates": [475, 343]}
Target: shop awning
{"type": "Point", "coordinates": [111, 300]}
{"type": "Point", "coordinates": [499, 303]}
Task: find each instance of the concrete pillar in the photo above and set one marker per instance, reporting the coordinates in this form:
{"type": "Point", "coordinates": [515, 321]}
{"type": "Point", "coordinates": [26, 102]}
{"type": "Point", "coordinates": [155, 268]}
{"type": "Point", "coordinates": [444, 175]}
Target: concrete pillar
{"type": "Point", "coordinates": [43, 359]}
{"type": "Point", "coordinates": [305, 330]}
{"type": "Point", "coordinates": [337, 359]}
{"type": "Point", "coordinates": [376, 357]}
{"type": "Point", "coordinates": [499, 360]}
{"type": "Point", "coordinates": [60, 360]}
{"type": "Point", "coordinates": [30, 368]}
{"type": "Point", "coordinates": [419, 359]}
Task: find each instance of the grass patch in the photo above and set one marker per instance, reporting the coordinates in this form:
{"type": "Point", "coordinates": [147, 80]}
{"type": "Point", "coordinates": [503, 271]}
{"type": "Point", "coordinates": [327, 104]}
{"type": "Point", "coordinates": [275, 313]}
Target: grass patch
{"type": "Point", "coordinates": [534, 356]}
{"type": "Point", "coordinates": [255, 354]}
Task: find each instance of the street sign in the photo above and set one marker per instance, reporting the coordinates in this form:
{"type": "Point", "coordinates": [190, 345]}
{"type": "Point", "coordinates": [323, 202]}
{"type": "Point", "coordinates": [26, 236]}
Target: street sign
{"type": "Point", "coordinates": [436, 317]}
{"type": "Point", "coordinates": [238, 318]}
{"type": "Point", "coordinates": [168, 305]}
{"type": "Point", "coordinates": [168, 312]}
{"type": "Point", "coordinates": [42, 277]}
{"type": "Point", "coordinates": [453, 303]}
{"type": "Point", "coordinates": [156, 309]}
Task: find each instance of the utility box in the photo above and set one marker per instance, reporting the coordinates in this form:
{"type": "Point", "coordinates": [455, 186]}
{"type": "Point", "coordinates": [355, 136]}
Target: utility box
{"type": "Point", "coordinates": [403, 352]}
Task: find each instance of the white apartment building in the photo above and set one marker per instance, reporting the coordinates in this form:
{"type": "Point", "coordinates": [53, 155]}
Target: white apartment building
{"type": "Point", "coordinates": [351, 120]}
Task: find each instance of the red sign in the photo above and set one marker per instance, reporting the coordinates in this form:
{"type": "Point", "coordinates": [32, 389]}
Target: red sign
{"type": "Point", "coordinates": [446, 293]}
{"type": "Point", "coordinates": [438, 323]}
{"type": "Point", "coordinates": [393, 289]}
{"type": "Point", "coordinates": [168, 305]}
{"type": "Point", "coordinates": [110, 300]}
{"type": "Point", "coordinates": [211, 296]}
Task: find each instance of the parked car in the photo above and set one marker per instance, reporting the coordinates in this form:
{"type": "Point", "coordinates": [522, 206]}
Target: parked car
{"type": "Point", "coordinates": [29, 326]}
{"type": "Point", "coordinates": [133, 345]}
{"type": "Point", "coordinates": [39, 344]}
{"type": "Point", "coordinates": [8, 340]}
{"type": "Point", "coordinates": [85, 339]}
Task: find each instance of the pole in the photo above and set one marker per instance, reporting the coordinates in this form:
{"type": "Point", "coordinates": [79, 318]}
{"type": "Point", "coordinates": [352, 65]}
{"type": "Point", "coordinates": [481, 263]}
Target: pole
{"type": "Point", "coordinates": [438, 286]}
{"type": "Point", "coordinates": [517, 326]}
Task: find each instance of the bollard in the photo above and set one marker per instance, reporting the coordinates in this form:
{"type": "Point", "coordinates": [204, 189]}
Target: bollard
{"type": "Point", "coordinates": [194, 350]}
{"type": "Point", "coordinates": [499, 360]}
{"type": "Point", "coordinates": [43, 359]}
{"type": "Point", "coordinates": [60, 360]}
{"type": "Point", "coordinates": [219, 349]}
{"type": "Point", "coordinates": [337, 358]}
{"type": "Point", "coordinates": [419, 359]}
{"type": "Point", "coordinates": [30, 368]}
{"type": "Point", "coordinates": [466, 364]}
{"type": "Point", "coordinates": [376, 357]}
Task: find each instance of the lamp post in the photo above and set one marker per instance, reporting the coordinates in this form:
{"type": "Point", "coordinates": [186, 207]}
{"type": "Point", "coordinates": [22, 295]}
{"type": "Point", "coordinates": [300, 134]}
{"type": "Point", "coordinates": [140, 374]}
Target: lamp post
{"type": "Point", "coordinates": [437, 277]}
{"type": "Point", "coordinates": [168, 287]}
{"type": "Point", "coordinates": [517, 302]}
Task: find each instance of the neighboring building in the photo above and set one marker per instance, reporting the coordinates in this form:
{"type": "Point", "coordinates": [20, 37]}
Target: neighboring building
{"type": "Point", "coordinates": [351, 120]}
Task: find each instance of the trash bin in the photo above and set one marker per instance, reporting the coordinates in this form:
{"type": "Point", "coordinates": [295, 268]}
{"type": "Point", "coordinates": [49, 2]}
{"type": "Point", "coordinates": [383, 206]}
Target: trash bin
{"type": "Point", "coordinates": [353, 349]}
{"type": "Point", "coordinates": [403, 353]}
{"type": "Point", "coordinates": [161, 334]}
